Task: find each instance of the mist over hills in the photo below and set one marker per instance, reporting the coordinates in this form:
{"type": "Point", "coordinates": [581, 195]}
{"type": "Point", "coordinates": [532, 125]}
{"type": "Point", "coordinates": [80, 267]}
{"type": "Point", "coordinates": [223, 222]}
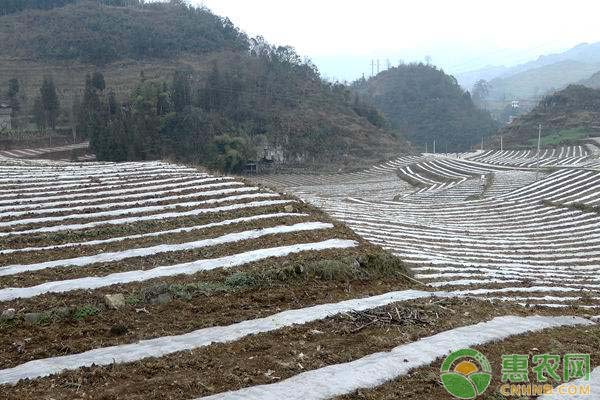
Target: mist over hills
{"type": "Point", "coordinates": [585, 53]}
{"type": "Point", "coordinates": [529, 82]}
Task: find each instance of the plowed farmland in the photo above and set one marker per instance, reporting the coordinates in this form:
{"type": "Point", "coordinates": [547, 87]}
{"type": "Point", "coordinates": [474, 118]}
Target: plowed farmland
{"type": "Point", "coordinates": [161, 281]}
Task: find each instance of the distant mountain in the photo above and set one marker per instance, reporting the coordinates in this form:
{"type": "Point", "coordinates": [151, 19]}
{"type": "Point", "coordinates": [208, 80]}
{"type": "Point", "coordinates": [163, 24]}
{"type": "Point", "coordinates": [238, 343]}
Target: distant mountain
{"type": "Point", "coordinates": [549, 72]}
{"type": "Point", "coordinates": [531, 84]}
{"type": "Point", "coordinates": [468, 79]}
{"type": "Point", "coordinates": [426, 105]}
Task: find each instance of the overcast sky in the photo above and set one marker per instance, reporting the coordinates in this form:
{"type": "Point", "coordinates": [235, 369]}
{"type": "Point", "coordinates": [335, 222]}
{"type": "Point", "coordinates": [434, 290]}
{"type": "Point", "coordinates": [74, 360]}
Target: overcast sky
{"type": "Point", "coordinates": [342, 36]}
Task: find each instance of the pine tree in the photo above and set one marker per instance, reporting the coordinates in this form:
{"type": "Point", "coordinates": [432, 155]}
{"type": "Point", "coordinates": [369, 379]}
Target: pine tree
{"type": "Point", "coordinates": [39, 116]}
{"type": "Point", "coordinates": [13, 93]}
{"type": "Point", "coordinates": [182, 92]}
{"type": "Point", "coordinates": [97, 81]}
{"type": "Point", "coordinates": [212, 96]}
{"type": "Point", "coordinates": [49, 102]}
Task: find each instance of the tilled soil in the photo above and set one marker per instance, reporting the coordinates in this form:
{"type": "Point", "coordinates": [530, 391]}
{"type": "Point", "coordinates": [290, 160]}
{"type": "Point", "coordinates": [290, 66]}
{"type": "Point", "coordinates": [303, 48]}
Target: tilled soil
{"type": "Point", "coordinates": [110, 231]}
{"type": "Point", "coordinates": [144, 320]}
{"type": "Point", "coordinates": [70, 219]}
{"type": "Point", "coordinates": [140, 191]}
{"type": "Point", "coordinates": [170, 258]}
{"type": "Point", "coordinates": [270, 357]}
{"type": "Point", "coordinates": [39, 256]}
{"type": "Point", "coordinates": [90, 209]}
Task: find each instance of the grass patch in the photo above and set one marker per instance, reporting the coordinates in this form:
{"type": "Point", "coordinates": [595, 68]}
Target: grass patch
{"type": "Point", "coordinates": [560, 137]}
{"type": "Point", "coordinates": [375, 264]}
{"type": "Point", "coordinates": [85, 312]}
{"type": "Point", "coordinates": [372, 265]}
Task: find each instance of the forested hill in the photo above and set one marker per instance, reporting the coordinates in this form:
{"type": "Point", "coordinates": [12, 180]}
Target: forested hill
{"type": "Point", "coordinates": [426, 104]}
{"type": "Point", "coordinates": [566, 116]}
{"type": "Point", "coordinates": [103, 31]}
{"type": "Point", "coordinates": [238, 86]}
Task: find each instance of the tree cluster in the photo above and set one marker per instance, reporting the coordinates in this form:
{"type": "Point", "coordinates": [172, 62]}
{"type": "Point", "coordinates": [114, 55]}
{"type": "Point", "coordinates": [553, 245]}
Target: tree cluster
{"type": "Point", "coordinates": [269, 97]}
{"type": "Point", "coordinates": [158, 121]}
{"type": "Point", "coordinates": [46, 107]}
{"type": "Point", "coordinates": [12, 94]}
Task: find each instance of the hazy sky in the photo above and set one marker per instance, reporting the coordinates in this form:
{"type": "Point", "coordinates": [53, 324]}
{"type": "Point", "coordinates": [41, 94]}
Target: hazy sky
{"type": "Point", "coordinates": [342, 36]}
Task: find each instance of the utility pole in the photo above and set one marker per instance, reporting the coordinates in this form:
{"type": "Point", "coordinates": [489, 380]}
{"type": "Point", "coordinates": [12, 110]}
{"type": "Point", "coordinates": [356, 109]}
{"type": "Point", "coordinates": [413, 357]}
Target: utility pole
{"type": "Point", "coordinates": [433, 146]}
{"type": "Point", "coordinates": [539, 139]}
{"type": "Point", "coordinates": [378, 66]}
{"type": "Point", "coordinates": [501, 143]}
{"type": "Point", "coordinates": [538, 151]}
{"type": "Point", "coordinates": [425, 147]}
{"type": "Point", "coordinates": [372, 68]}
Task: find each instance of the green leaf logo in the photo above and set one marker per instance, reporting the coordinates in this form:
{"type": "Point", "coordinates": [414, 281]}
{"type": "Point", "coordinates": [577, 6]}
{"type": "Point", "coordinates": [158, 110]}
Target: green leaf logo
{"type": "Point", "coordinates": [466, 374]}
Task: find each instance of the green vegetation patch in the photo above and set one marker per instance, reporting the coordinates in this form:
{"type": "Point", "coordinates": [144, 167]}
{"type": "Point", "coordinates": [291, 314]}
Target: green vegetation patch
{"type": "Point", "coordinates": [561, 137]}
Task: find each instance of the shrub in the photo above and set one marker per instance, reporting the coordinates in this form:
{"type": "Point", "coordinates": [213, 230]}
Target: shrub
{"type": "Point", "coordinates": [84, 312]}
{"type": "Point", "coordinates": [229, 153]}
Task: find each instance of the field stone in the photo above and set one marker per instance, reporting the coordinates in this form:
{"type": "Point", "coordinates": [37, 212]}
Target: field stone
{"type": "Point", "coordinates": [9, 313]}
{"type": "Point", "coordinates": [118, 330]}
{"type": "Point", "coordinates": [289, 208]}
{"type": "Point", "coordinates": [114, 301]}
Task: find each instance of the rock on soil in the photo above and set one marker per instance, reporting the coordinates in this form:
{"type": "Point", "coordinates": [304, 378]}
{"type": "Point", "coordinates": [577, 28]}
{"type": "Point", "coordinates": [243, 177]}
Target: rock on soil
{"type": "Point", "coordinates": [114, 301]}
{"type": "Point", "coordinates": [33, 317]}
{"type": "Point", "coordinates": [8, 314]}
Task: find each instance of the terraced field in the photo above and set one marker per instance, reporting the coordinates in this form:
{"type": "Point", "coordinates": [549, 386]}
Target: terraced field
{"type": "Point", "coordinates": [39, 152]}
{"type": "Point", "coordinates": [160, 281]}
{"type": "Point", "coordinates": [476, 224]}
{"type": "Point", "coordinates": [486, 225]}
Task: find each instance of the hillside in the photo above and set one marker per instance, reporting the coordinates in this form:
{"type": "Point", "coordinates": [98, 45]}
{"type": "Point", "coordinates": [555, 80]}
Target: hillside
{"type": "Point", "coordinates": [267, 94]}
{"type": "Point", "coordinates": [566, 116]}
{"type": "Point", "coordinates": [426, 104]}
{"type": "Point", "coordinates": [68, 42]}
{"type": "Point", "coordinates": [592, 82]}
